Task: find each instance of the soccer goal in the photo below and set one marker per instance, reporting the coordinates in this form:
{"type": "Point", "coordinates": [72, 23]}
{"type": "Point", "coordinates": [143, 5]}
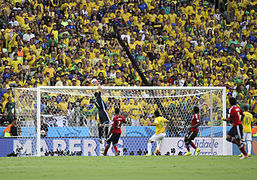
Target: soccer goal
{"type": "Point", "coordinates": [56, 121]}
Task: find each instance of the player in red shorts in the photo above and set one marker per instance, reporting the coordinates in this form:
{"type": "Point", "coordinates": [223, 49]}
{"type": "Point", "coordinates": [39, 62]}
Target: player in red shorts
{"type": "Point", "coordinates": [192, 132]}
{"type": "Point", "coordinates": [235, 135]}
{"type": "Point", "coordinates": [115, 132]}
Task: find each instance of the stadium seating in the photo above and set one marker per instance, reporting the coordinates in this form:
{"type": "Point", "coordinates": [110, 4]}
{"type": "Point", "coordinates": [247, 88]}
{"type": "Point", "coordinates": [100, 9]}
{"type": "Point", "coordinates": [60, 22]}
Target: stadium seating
{"type": "Point", "coordinates": [175, 42]}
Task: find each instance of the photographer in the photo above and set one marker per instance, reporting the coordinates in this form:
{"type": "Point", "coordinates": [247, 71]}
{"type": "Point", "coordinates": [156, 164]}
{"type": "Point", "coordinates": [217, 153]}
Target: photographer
{"type": "Point", "coordinates": [11, 130]}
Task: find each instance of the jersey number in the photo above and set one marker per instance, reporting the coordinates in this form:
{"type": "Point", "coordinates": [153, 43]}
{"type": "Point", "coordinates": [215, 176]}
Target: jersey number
{"type": "Point", "coordinates": [162, 124]}
{"type": "Point", "coordinates": [119, 124]}
{"type": "Point", "coordinates": [247, 120]}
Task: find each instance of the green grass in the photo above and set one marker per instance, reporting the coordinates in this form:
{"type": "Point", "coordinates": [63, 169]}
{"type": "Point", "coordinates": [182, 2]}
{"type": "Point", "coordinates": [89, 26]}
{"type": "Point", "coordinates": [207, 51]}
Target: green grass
{"type": "Point", "coordinates": [128, 167]}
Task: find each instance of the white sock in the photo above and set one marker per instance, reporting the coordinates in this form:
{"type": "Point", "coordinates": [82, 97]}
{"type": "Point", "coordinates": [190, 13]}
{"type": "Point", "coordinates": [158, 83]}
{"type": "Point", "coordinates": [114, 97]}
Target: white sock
{"type": "Point", "coordinates": [249, 146]}
{"type": "Point", "coordinates": [158, 144]}
{"type": "Point", "coordinates": [149, 148]}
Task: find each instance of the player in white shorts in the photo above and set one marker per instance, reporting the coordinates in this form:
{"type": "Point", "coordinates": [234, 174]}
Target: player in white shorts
{"type": "Point", "coordinates": [159, 122]}
{"type": "Point", "coordinates": [247, 129]}
{"type": "Point", "coordinates": [157, 137]}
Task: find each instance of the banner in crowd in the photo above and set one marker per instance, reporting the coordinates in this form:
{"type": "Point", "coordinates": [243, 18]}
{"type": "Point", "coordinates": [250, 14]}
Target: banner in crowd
{"type": "Point", "coordinates": [91, 146]}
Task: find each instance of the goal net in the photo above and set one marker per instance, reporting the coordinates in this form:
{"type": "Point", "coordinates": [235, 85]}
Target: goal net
{"type": "Point", "coordinates": [58, 121]}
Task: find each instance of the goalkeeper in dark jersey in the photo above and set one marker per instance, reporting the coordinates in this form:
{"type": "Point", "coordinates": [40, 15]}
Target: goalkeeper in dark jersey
{"type": "Point", "coordinates": [103, 125]}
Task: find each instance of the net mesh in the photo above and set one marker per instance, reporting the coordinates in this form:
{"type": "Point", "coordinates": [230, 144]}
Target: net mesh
{"type": "Point", "coordinates": [69, 118]}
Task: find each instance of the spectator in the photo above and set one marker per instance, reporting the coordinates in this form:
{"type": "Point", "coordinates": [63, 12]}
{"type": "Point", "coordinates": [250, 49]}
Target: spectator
{"type": "Point", "coordinates": [217, 14]}
{"type": "Point", "coordinates": [175, 44]}
{"type": "Point", "coordinates": [28, 36]}
{"type": "Point", "coordinates": [254, 106]}
{"type": "Point", "coordinates": [13, 22]}
{"type": "Point", "coordinates": [11, 130]}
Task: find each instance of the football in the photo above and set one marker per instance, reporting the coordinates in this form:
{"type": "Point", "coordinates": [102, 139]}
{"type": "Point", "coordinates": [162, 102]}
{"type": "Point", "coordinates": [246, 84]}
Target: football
{"type": "Point", "coordinates": [43, 132]}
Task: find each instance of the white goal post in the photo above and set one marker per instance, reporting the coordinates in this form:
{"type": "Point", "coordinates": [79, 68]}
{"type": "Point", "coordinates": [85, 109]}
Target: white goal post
{"type": "Point", "coordinates": [58, 121]}
{"type": "Point", "coordinates": [222, 95]}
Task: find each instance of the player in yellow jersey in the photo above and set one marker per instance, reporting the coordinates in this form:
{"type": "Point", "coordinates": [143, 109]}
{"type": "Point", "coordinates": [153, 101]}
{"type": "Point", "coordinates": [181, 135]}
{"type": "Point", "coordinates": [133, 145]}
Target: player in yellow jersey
{"type": "Point", "coordinates": [159, 122]}
{"type": "Point", "coordinates": [247, 129]}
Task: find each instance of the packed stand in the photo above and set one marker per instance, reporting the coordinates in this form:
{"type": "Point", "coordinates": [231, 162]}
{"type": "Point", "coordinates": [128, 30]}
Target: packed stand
{"type": "Point", "coordinates": [175, 43]}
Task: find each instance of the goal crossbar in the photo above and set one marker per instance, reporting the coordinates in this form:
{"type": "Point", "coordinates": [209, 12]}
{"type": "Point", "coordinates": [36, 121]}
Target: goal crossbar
{"type": "Point", "coordinates": [40, 89]}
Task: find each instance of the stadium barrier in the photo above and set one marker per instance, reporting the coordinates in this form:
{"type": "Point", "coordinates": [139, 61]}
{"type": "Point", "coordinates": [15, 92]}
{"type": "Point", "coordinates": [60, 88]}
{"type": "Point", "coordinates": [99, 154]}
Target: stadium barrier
{"type": "Point", "coordinates": [127, 131]}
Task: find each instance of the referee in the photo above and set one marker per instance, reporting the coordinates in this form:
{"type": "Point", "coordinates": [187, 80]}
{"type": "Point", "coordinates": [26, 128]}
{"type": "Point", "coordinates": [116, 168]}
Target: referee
{"type": "Point", "coordinates": [104, 120]}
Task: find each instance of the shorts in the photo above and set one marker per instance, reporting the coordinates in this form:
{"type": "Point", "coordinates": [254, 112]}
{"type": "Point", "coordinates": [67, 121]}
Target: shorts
{"type": "Point", "coordinates": [157, 137]}
{"type": "Point", "coordinates": [236, 132]}
{"type": "Point", "coordinates": [114, 139]}
{"type": "Point", "coordinates": [191, 135]}
{"type": "Point", "coordinates": [103, 117]}
{"type": "Point", "coordinates": [247, 136]}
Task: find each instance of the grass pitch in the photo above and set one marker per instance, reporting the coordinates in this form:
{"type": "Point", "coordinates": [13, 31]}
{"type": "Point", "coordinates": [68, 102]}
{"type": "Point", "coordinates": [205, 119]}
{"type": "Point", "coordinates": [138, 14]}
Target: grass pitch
{"type": "Point", "coordinates": [128, 167]}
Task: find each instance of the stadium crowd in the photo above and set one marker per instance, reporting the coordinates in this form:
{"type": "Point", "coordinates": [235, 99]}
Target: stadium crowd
{"type": "Point", "coordinates": [175, 43]}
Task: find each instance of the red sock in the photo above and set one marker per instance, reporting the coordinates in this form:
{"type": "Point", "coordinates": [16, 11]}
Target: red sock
{"type": "Point", "coordinates": [106, 149]}
{"type": "Point", "coordinates": [234, 141]}
{"type": "Point", "coordinates": [193, 145]}
{"type": "Point", "coordinates": [188, 149]}
{"type": "Point", "coordinates": [242, 149]}
{"type": "Point", "coordinates": [115, 149]}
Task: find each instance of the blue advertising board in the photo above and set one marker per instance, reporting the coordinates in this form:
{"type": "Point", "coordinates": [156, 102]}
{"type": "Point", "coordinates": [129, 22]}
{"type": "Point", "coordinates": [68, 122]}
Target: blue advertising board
{"type": "Point", "coordinates": [126, 146]}
{"type": "Point", "coordinates": [85, 146]}
{"type": "Point", "coordinates": [131, 131]}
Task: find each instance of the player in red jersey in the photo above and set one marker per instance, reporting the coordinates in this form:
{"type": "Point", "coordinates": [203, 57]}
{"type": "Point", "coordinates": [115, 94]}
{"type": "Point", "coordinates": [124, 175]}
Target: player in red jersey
{"type": "Point", "coordinates": [235, 135]}
{"type": "Point", "coordinates": [115, 132]}
{"type": "Point", "coordinates": [192, 132]}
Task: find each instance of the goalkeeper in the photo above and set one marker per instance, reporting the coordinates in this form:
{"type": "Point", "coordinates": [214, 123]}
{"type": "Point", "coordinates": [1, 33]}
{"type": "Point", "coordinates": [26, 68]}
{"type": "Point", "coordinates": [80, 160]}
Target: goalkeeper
{"type": "Point", "coordinates": [104, 120]}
